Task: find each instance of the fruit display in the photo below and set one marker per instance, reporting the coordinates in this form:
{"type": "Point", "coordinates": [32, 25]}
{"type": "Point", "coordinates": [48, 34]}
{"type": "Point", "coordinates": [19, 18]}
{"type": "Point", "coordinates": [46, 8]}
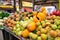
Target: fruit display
{"type": "Point", "coordinates": [3, 16]}
{"type": "Point", "coordinates": [34, 25]}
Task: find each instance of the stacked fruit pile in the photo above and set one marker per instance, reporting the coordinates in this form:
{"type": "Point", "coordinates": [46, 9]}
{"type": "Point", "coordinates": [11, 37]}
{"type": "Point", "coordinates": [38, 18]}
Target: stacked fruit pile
{"type": "Point", "coordinates": [35, 25]}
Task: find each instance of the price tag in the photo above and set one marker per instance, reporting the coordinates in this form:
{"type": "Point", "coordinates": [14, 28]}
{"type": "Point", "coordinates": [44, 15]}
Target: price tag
{"type": "Point", "coordinates": [49, 9]}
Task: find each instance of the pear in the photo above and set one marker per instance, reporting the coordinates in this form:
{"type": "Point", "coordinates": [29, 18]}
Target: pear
{"type": "Point", "coordinates": [38, 23]}
{"type": "Point", "coordinates": [50, 37]}
{"type": "Point", "coordinates": [19, 33]}
{"type": "Point", "coordinates": [38, 28]}
{"type": "Point", "coordinates": [33, 36]}
{"type": "Point", "coordinates": [57, 38]}
{"type": "Point", "coordinates": [39, 38]}
{"type": "Point", "coordinates": [44, 36]}
{"type": "Point", "coordinates": [43, 30]}
{"type": "Point", "coordinates": [56, 21]}
{"type": "Point", "coordinates": [54, 26]}
{"type": "Point", "coordinates": [59, 27]}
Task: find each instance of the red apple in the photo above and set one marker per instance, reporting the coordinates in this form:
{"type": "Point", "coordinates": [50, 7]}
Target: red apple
{"type": "Point", "coordinates": [54, 12]}
{"type": "Point", "coordinates": [58, 13]}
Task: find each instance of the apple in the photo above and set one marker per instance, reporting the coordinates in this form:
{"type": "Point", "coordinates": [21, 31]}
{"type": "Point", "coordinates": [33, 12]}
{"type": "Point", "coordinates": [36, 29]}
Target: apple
{"type": "Point", "coordinates": [54, 12]}
{"type": "Point", "coordinates": [53, 33]}
{"type": "Point", "coordinates": [58, 13]}
{"type": "Point", "coordinates": [44, 36]}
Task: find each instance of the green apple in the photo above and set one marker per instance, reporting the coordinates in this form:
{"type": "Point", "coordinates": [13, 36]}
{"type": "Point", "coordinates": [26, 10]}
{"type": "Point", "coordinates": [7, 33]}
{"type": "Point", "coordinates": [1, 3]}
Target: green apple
{"type": "Point", "coordinates": [44, 36]}
{"type": "Point", "coordinates": [54, 26]}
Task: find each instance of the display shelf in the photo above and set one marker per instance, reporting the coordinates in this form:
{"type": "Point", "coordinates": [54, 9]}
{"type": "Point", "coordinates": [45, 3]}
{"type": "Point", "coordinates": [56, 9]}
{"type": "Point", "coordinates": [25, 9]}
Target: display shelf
{"type": "Point", "coordinates": [49, 2]}
{"type": "Point", "coordinates": [9, 31]}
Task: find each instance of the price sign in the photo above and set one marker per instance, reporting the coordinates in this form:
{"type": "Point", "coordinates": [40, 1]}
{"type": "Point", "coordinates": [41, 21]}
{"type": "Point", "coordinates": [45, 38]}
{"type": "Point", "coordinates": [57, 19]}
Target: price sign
{"type": "Point", "coordinates": [49, 9]}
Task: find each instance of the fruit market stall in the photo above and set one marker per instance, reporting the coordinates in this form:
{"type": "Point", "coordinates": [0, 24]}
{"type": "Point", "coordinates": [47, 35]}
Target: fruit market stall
{"type": "Point", "coordinates": [34, 25]}
{"type": "Point", "coordinates": [3, 16]}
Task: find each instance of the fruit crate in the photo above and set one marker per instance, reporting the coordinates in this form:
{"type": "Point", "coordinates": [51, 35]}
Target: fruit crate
{"type": "Point", "coordinates": [10, 32]}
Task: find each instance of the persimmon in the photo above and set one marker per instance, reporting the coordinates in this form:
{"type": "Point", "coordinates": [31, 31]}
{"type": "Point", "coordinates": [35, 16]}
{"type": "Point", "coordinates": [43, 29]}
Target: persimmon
{"type": "Point", "coordinates": [41, 16]}
{"type": "Point", "coordinates": [43, 8]}
{"type": "Point", "coordinates": [25, 33]}
{"type": "Point", "coordinates": [35, 19]}
{"type": "Point", "coordinates": [31, 26]}
{"type": "Point", "coordinates": [34, 13]}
